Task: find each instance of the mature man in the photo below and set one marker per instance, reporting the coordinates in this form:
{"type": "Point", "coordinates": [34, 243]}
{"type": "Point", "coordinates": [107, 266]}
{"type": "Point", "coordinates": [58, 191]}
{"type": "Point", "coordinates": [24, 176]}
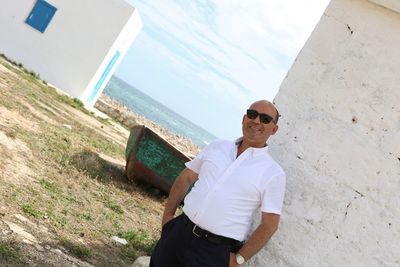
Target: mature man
{"type": "Point", "coordinates": [231, 180]}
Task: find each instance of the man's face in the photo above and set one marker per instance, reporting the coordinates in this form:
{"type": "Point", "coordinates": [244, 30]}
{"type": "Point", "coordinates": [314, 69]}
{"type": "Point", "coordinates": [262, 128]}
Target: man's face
{"type": "Point", "coordinates": [256, 133]}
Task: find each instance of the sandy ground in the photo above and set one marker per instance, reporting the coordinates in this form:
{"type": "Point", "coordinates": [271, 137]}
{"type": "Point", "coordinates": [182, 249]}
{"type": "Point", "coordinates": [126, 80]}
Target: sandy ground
{"type": "Point", "coordinates": [19, 168]}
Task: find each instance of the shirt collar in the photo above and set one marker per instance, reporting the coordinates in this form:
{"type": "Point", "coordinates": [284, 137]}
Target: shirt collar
{"type": "Point", "coordinates": [255, 151]}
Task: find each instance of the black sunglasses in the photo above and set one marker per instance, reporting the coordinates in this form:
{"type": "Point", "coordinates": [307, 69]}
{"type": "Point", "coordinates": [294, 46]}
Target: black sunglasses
{"type": "Point", "coordinates": [264, 118]}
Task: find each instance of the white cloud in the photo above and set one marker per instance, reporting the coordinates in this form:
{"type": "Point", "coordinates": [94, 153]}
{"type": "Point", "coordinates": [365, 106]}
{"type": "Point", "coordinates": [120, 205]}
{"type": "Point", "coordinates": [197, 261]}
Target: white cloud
{"type": "Point", "coordinates": [252, 42]}
{"type": "Point", "coordinates": [233, 48]}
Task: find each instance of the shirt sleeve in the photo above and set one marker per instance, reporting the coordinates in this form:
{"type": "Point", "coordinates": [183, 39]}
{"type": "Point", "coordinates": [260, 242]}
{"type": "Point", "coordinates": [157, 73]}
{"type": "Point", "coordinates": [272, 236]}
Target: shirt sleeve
{"type": "Point", "coordinates": [195, 164]}
{"type": "Point", "coordinates": [273, 194]}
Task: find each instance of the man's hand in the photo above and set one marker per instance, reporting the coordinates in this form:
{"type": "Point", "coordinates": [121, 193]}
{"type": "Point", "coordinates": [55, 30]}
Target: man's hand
{"type": "Point", "coordinates": [165, 219]}
{"type": "Point", "coordinates": [268, 226]}
{"type": "Point", "coordinates": [232, 260]}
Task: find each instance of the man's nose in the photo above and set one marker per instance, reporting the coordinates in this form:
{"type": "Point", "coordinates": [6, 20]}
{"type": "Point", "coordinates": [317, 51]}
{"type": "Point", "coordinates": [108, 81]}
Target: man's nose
{"type": "Point", "coordinates": [257, 119]}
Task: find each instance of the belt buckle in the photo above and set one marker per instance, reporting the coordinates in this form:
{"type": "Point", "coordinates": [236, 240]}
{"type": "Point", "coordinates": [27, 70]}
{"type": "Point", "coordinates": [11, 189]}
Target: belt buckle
{"type": "Point", "coordinates": [193, 231]}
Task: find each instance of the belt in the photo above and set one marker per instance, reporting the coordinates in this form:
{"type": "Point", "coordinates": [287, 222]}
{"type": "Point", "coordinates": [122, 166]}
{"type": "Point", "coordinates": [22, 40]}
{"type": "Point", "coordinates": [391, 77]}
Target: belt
{"type": "Point", "coordinates": [204, 234]}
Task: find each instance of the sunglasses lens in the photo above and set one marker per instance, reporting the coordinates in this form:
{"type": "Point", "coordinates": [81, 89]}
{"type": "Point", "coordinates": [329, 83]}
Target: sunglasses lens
{"type": "Point", "coordinates": [264, 118]}
{"type": "Point", "coordinates": [251, 114]}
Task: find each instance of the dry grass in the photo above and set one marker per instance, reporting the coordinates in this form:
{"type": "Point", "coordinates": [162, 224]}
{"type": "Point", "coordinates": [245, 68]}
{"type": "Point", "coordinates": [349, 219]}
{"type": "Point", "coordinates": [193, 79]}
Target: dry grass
{"type": "Point", "coordinates": [54, 175]}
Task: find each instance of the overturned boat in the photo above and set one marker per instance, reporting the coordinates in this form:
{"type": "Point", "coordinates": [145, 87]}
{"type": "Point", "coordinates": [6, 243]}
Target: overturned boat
{"type": "Point", "coordinates": [151, 159]}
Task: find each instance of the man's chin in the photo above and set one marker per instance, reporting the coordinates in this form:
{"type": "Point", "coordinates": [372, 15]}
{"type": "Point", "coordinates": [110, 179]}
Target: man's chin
{"type": "Point", "coordinates": [254, 140]}
{"type": "Point", "coordinates": [254, 135]}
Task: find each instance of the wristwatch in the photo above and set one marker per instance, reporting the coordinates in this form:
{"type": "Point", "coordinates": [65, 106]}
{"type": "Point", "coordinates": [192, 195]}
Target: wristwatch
{"type": "Point", "coordinates": [239, 259]}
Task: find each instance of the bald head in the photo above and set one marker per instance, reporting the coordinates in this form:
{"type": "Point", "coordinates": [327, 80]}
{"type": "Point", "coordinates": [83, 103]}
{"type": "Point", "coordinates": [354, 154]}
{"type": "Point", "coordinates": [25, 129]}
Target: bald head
{"type": "Point", "coordinates": [269, 105]}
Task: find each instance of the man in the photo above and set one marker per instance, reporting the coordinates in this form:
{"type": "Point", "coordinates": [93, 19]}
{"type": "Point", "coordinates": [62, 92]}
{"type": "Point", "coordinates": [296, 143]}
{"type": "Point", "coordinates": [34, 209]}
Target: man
{"type": "Point", "coordinates": [232, 180]}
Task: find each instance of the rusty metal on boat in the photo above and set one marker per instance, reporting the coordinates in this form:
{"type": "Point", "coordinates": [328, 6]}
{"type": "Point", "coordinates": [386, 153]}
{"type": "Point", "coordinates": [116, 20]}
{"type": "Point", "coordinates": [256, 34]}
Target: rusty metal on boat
{"type": "Point", "coordinates": [151, 159]}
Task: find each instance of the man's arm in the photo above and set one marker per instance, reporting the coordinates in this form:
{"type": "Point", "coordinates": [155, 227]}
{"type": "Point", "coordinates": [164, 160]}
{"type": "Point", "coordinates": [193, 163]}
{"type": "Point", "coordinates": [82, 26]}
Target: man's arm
{"type": "Point", "coordinates": [178, 191]}
{"type": "Point", "coordinates": [268, 226]}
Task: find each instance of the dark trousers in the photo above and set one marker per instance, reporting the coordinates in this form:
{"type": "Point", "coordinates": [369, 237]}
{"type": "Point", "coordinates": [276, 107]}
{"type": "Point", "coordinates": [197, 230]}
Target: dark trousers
{"type": "Point", "coordinates": [179, 247]}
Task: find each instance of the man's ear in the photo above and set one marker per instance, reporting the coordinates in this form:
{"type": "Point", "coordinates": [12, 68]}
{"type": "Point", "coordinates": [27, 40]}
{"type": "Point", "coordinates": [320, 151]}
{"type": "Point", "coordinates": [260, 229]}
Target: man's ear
{"type": "Point", "coordinates": [275, 129]}
{"type": "Point", "coordinates": [243, 118]}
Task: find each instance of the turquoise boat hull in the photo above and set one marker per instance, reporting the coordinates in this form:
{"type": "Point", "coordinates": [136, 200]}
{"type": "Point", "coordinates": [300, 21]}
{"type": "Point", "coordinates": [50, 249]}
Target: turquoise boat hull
{"type": "Point", "coordinates": [151, 159]}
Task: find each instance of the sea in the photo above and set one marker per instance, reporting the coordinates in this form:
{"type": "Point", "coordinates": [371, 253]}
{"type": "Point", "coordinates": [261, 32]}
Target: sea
{"type": "Point", "coordinates": [144, 105]}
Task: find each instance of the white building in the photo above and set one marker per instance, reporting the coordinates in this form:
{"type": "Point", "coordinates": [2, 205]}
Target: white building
{"type": "Point", "coordinates": [74, 44]}
{"type": "Point", "coordinates": [339, 142]}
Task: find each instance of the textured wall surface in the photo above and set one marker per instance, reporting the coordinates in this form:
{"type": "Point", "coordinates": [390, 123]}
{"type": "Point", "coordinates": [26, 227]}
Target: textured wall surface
{"type": "Point", "coordinates": [390, 4]}
{"type": "Point", "coordinates": [339, 142]}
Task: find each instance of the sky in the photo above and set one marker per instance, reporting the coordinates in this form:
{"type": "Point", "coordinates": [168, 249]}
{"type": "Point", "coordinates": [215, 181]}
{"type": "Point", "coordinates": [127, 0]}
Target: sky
{"type": "Point", "coordinates": [208, 60]}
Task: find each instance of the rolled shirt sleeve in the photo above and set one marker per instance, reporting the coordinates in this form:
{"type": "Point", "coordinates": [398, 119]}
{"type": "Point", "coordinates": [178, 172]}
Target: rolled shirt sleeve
{"type": "Point", "coordinates": [195, 164]}
{"type": "Point", "coordinates": [273, 194]}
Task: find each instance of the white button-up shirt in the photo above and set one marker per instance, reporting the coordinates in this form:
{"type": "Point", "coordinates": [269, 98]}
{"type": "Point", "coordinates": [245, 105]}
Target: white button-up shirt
{"type": "Point", "coordinates": [230, 189]}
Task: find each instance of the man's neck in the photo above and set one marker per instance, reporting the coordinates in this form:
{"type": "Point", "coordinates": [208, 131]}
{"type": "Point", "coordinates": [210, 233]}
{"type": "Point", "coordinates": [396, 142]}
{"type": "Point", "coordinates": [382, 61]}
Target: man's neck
{"type": "Point", "coordinates": [240, 149]}
{"type": "Point", "coordinates": [244, 145]}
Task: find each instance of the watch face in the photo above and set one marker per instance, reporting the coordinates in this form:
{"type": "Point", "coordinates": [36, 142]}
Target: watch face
{"type": "Point", "coordinates": [239, 259]}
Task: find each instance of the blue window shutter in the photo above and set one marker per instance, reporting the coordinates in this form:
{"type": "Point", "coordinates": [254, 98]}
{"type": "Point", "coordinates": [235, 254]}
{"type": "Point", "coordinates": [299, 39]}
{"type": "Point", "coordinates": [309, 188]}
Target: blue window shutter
{"type": "Point", "coordinates": [41, 15]}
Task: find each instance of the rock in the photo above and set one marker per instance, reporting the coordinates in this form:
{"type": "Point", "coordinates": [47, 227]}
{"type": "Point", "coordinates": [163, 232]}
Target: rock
{"type": "Point", "coordinates": [75, 261]}
{"type": "Point", "coordinates": [143, 261]}
{"type": "Point", "coordinates": [39, 247]}
{"type": "Point", "coordinates": [6, 232]}
{"type": "Point", "coordinates": [27, 241]}
{"type": "Point", "coordinates": [119, 240]}
{"type": "Point", "coordinates": [26, 237]}
{"type": "Point", "coordinates": [3, 211]}
{"type": "Point", "coordinates": [21, 218]}
{"type": "Point", "coordinates": [57, 250]}
{"type": "Point", "coordinates": [67, 126]}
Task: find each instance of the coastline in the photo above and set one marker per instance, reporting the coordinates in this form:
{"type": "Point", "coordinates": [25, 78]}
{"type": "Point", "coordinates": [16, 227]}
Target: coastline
{"type": "Point", "coordinates": [128, 118]}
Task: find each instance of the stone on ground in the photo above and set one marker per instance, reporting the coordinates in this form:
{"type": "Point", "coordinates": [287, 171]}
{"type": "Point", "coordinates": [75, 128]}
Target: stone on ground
{"type": "Point", "coordinates": [143, 261]}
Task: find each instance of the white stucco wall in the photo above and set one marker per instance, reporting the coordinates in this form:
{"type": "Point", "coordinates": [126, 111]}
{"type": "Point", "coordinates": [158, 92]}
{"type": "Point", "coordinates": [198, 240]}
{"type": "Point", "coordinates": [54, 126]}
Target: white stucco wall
{"type": "Point", "coordinates": [76, 45]}
{"type": "Point", "coordinates": [339, 142]}
{"type": "Point", "coordinates": [122, 43]}
{"type": "Point", "coordinates": [390, 4]}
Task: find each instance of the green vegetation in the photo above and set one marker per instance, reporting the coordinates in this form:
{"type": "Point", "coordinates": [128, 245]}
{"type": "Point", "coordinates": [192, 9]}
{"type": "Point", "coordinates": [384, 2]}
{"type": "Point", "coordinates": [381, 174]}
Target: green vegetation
{"type": "Point", "coordinates": [113, 206]}
{"type": "Point", "coordinates": [20, 66]}
{"type": "Point", "coordinates": [7, 253]}
{"type": "Point", "coordinates": [139, 241]}
{"type": "Point", "coordinates": [50, 186]}
{"type": "Point", "coordinates": [55, 177]}
{"type": "Point", "coordinates": [78, 250]}
{"type": "Point", "coordinates": [30, 210]}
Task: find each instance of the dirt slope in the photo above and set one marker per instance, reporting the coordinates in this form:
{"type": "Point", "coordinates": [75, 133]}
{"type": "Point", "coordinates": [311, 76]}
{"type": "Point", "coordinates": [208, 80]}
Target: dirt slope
{"type": "Point", "coordinates": [63, 194]}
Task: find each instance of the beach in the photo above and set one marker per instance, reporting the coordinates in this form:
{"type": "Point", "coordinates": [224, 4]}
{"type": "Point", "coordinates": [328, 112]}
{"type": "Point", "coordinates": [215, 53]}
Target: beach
{"type": "Point", "coordinates": [128, 118]}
